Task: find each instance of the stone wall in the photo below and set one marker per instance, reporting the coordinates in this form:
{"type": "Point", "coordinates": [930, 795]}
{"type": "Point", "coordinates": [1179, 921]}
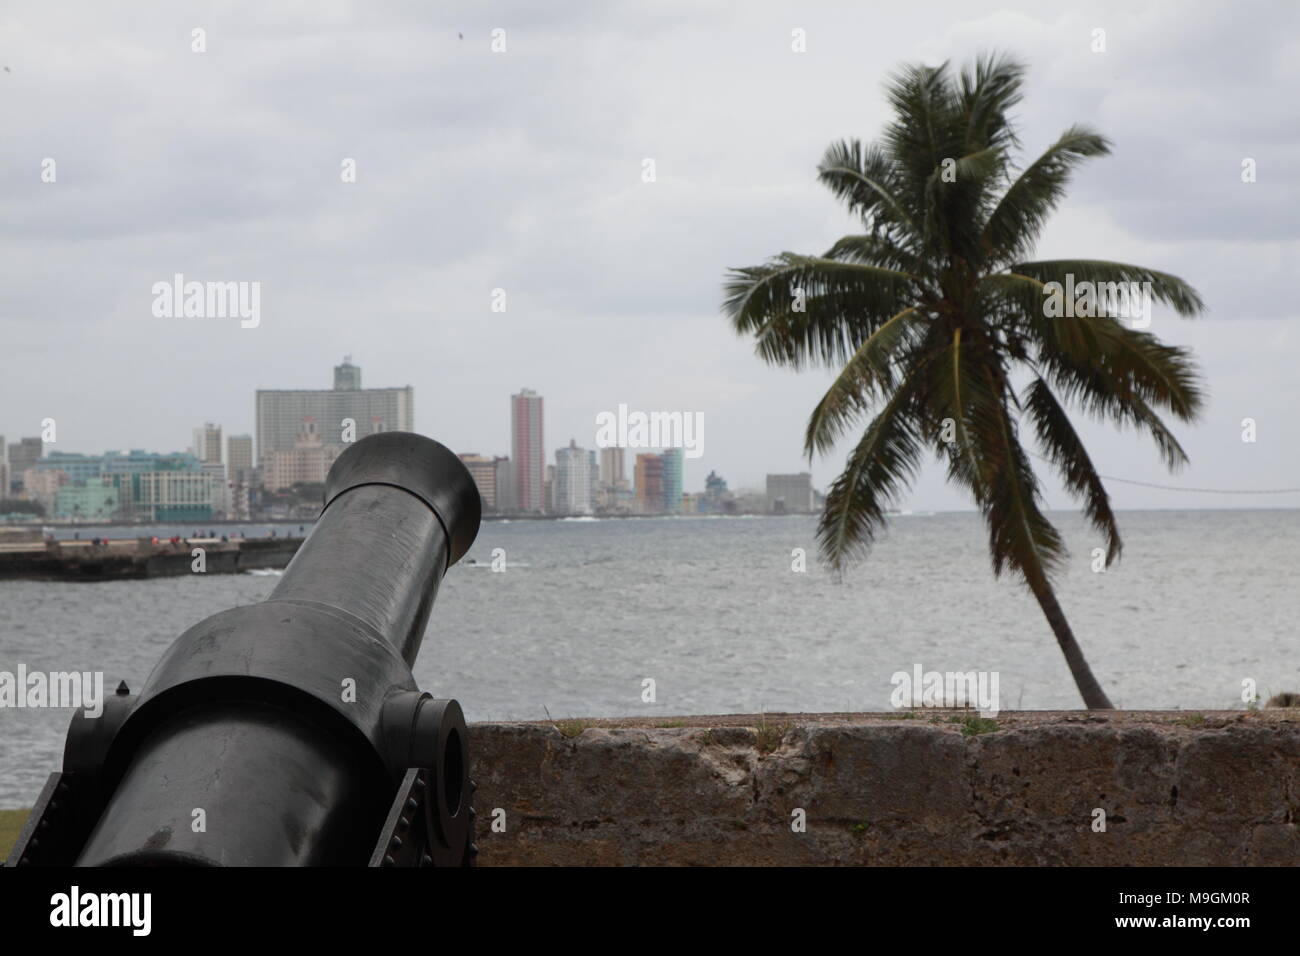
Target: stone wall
{"type": "Point", "coordinates": [929, 788]}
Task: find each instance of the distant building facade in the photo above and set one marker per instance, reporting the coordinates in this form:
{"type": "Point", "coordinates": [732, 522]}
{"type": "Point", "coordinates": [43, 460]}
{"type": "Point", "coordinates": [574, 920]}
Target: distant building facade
{"type": "Point", "coordinates": [716, 499]}
{"type": "Point", "coordinates": [239, 456]}
{"type": "Point", "coordinates": [207, 444]}
{"type": "Point", "coordinates": [789, 494]}
{"type": "Point", "coordinates": [505, 486]}
{"type": "Point", "coordinates": [42, 486]}
{"type": "Point", "coordinates": [576, 480]}
{"type": "Point", "coordinates": [307, 462]}
{"type": "Point", "coordinates": [672, 472]}
{"type": "Point", "coordinates": [97, 500]}
{"type": "Point", "coordinates": [23, 454]}
{"type": "Point", "coordinates": [648, 476]}
{"type": "Point", "coordinates": [527, 451]}
{"type": "Point", "coordinates": [280, 412]}
{"type": "Point", "coordinates": [484, 472]}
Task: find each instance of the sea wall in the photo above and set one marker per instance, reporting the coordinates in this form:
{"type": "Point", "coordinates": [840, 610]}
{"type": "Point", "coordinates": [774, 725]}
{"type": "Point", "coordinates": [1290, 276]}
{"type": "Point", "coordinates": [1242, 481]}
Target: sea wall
{"type": "Point", "coordinates": [930, 788]}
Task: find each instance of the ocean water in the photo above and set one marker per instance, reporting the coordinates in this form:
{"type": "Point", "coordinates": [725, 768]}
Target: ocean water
{"type": "Point", "coordinates": [711, 611]}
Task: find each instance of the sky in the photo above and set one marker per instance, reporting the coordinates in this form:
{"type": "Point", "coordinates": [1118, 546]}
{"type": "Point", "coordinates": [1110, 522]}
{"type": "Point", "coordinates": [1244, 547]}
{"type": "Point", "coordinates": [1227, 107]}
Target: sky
{"type": "Point", "coordinates": [521, 169]}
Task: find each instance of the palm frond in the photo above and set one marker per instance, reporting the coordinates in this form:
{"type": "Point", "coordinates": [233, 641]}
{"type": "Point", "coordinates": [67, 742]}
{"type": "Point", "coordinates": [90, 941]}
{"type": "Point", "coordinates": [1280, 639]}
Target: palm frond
{"type": "Point", "coordinates": [1063, 447]}
{"type": "Point", "coordinates": [880, 468]}
{"type": "Point", "coordinates": [989, 90]}
{"type": "Point", "coordinates": [863, 178]}
{"type": "Point", "coordinates": [1019, 216]}
{"type": "Point", "coordinates": [1020, 536]}
{"type": "Point", "coordinates": [1164, 288]}
{"type": "Point", "coordinates": [843, 302]}
{"type": "Point", "coordinates": [869, 373]}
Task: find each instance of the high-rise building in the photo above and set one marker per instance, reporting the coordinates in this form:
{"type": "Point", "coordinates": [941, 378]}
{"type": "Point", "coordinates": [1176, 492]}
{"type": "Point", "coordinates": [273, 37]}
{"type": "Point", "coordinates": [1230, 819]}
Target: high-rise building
{"type": "Point", "coordinates": [649, 477]}
{"type": "Point", "coordinates": [789, 494]}
{"type": "Point", "coordinates": [672, 475]}
{"type": "Point", "coordinates": [611, 466]}
{"type": "Point", "coordinates": [527, 450]}
{"type": "Point", "coordinates": [23, 455]}
{"type": "Point", "coordinates": [484, 472]}
{"type": "Point", "coordinates": [505, 485]}
{"type": "Point", "coordinates": [280, 412]}
{"type": "Point", "coordinates": [207, 444]}
{"type": "Point", "coordinates": [573, 480]}
{"type": "Point", "coordinates": [239, 456]}
{"type": "Point", "coordinates": [347, 377]}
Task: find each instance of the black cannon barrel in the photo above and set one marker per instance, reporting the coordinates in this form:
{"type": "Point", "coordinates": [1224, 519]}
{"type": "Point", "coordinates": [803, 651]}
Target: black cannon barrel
{"type": "Point", "coordinates": [291, 732]}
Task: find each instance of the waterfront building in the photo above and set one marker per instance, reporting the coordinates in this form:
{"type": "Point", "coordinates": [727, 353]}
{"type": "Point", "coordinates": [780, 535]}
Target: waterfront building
{"type": "Point", "coordinates": [97, 500]}
{"type": "Point", "coordinates": [280, 412]}
{"type": "Point", "coordinates": [78, 467]}
{"type": "Point", "coordinates": [484, 472]}
{"type": "Point", "coordinates": [789, 494]}
{"type": "Point", "coordinates": [716, 499]}
{"type": "Point", "coordinates": [612, 462]}
{"type": "Point", "coordinates": [165, 496]}
{"type": "Point", "coordinates": [505, 486]}
{"type": "Point", "coordinates": [207, 444]}
{"type": "Point", "coordinates": [672, 480]}
{"type": "Point", "coordinates": [308, 461]}
{"type": "Point", "coordinates": [527, 451]}
{"type": "Point", "coordinates": [649, 477]}
{"type": "Point", "coordinates": [574, 484]}
{"type": "Point", "coordinates": [239, 456]}
{"type": "Point", "coordinates": [23, 454]}
{"type": "Point", "coordinates": [42, 486]}
{"type": "Point", "coordinates": [137, 461]}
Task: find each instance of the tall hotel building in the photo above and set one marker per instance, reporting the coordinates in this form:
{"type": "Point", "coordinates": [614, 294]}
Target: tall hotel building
{"type": "Point", "coordinates": [672, 480]}
{"type": "Point", "coordinates": [281, 412]}
{"type": "Point", "coordinates": [526, 451]}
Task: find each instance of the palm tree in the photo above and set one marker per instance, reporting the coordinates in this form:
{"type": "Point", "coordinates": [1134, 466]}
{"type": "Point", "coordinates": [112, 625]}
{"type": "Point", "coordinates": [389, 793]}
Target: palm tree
{"type": "Point", "coordinates": [935, 306]}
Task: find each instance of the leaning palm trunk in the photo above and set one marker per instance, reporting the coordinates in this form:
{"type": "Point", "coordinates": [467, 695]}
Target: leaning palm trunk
{"type": "Point", "coordinates": [1094, 698]}
{"type": "Point", "coordinates": [930, 310]}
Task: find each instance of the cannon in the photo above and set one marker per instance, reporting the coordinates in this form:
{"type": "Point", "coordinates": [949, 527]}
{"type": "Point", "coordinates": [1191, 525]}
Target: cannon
{"type": "Point", "coordinates": [291, 732]}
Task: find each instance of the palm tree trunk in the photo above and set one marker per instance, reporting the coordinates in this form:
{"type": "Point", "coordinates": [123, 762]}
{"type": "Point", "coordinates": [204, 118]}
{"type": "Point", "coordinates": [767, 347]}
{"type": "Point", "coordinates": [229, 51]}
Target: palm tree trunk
{"type": "Point", "coordinates": [1094, 698]}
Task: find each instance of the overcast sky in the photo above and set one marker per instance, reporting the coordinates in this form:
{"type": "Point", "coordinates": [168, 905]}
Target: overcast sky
{"type": "Point", "coordinates": [521, 170]}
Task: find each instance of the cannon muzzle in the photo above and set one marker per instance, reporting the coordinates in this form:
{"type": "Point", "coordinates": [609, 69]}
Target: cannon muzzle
{"type": "Point", "coordinates": [291, 732]}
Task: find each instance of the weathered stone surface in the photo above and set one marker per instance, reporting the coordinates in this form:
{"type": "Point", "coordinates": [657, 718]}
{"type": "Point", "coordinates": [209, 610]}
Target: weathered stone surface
{"type": "Point", "coordinates": [1212, 789]}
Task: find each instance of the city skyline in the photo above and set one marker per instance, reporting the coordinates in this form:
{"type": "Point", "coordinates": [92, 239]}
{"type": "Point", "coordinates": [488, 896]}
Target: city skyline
{"type": "Point", "coordinates": [588, 321]}
{"type": "Point", "coordinates": [216, 476]}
